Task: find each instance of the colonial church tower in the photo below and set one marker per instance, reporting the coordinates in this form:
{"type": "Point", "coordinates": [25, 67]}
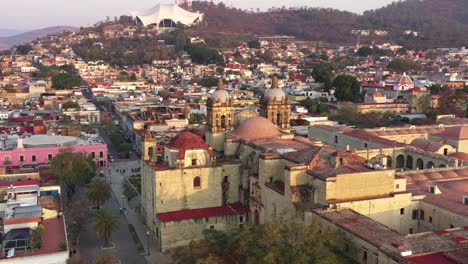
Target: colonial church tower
{"type": "Point", "coordinates": [275, 106]}
{"type": "Point", "coordinates": [149, 147]}
{"type": "Point", "coordinates": [220, 115]}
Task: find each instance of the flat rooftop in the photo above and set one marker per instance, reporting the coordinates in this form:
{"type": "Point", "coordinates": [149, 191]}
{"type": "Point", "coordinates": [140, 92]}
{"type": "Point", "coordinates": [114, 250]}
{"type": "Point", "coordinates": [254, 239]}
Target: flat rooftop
{"type": "Point", "coordinates": [392, 243]}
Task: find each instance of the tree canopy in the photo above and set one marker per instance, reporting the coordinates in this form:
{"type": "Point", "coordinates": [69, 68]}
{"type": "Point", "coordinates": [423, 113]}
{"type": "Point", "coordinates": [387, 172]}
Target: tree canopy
{"type": "Point", "coordinates": [72, 169]}
{"type": "Point", "coordinates": [401, 65]}
{"type": "Point", "coordinates": [70, 104]}
{"type": "Point", "coordinates": [323, 73]}
{"type": "Point", "coordinates": [278, 241]}
{"type": "Point", "coordinates": [23, 49]}
{"type": "Point", "coordinates": [104, 223]}
{"type": "Point", "coordinates": [99, 191]}
{"type": "Point", "coordinates": [66, 80]}
{"type": "Point", "coordinates": [365, 51]}
{"type": "Point", "coordinates": [203, 54]}
{"type": "Point", "coordinates": [347, 88]}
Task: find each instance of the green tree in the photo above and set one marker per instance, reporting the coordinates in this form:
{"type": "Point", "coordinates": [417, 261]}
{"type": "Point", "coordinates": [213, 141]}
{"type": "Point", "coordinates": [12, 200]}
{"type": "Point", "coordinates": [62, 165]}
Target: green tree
{"type": "Point", "coordinates": [347, 88]}
{"type": "Point", "coordinates": [98, 192]}
{"type": "Point", "coordinates": [123, 76]}
{"type": "Point", "coordinates": [70, 104]}
{"type": "Point", "coordinates": [278, 241]}
{"type": "Point", "coordinates": [254, 44]}
{"type": "Point", "coordinates": [208, 81]}
{"type": "Point", "coordinates": [401, 65]}
{"type": "Point", "coordinates": [66, 80]}
{"type": "Point", "coordinates": [281, 241]}
{"type": "Point", "coordinates": [72, 170]}
{"type": "Point", "coordinates": [323, 73]}
{"type": "Point", "coordinates": [197, 119]}
{"type": "Point", "coordinates": [203, 54]}
{"type": "Point", "coordinates": [365, 51]}
{"type": "Point", "coordinates": [104, 223]}
{"type": "Point", "coordinates": [23, 49]}
{"type": "Point", "coordinates": [123, 150]}
{"type": "Point", "coordinates": [116, 138]}
{"type": "Point", "coordinates": [436, 88]}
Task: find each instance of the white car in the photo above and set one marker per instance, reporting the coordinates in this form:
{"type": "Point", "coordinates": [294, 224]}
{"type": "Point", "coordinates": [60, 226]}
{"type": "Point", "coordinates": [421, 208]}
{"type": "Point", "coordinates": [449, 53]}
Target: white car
{"type": "Point", "coordinates": [111, 158]}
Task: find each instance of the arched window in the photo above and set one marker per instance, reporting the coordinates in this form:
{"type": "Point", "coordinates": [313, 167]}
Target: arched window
{"type": "Point", "coordinates": [196, 182]}
{"type": "Point", "coordinates": [223, 121]}
{"type": "Point", "coordinates": [278, 119]}
{"type": "Point", "coordinates": [150, 152]}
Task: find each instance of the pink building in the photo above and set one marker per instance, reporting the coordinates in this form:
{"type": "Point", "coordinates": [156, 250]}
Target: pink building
{"type": "Point", "coordinates": [39, 149]}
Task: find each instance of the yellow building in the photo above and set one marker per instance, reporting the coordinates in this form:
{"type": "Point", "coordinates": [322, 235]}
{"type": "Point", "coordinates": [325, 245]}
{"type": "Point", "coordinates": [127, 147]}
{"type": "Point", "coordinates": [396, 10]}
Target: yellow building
{"type": "Point", "coordinates": [261, 170]}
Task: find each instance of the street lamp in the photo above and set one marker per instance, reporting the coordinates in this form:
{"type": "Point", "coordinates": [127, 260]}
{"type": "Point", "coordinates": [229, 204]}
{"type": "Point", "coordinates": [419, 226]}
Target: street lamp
{"type": "Point", "coordinates": [123, 203]}
{"type": "Point", "coordinates": [148, 236]}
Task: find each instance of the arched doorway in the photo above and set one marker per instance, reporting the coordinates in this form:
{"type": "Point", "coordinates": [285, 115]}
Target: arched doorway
{"type": "Point", "coordinates": [278, 119]}
{"type": "Point", "coordinates": [420, 164]}
{"type": "Point", "coordinates": [257, 217]}
{"type": "Point", "coordinates": [409, 162]}
{"type": "Point", "coordinates": [400, 161]}
{"type": "Point", "coordinates": [430, 165]}
{"type": "Point", "coordinates": [389, 162]}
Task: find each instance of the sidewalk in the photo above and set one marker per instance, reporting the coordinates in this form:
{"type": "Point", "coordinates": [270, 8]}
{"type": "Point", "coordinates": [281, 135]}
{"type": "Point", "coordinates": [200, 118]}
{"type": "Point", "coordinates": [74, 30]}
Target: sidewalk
{"type": "Point", "coordinates": [133, 217]}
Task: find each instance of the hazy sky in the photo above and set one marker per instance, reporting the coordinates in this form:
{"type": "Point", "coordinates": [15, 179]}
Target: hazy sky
{"type": "Point", "coordinates": [34, 14]}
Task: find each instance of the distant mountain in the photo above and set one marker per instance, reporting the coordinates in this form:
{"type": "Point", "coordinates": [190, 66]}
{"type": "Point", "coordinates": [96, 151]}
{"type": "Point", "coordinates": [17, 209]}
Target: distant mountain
{"type": "Point", "coordinates": [8, 42]}
{"type": "Point", "coordinates": [7, 32]}
{"type": "Point", "coordinates": [437, 23]}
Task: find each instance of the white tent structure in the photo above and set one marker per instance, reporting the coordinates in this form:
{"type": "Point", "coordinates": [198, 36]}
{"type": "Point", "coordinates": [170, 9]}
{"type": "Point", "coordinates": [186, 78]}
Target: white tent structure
{"type": "Point", "coordinates": [167, 15]}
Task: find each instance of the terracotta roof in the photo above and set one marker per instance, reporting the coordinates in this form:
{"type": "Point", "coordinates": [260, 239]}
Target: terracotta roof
{"type": "Point", "coordinates": [405, 79]}
{"type": "Point", "coordinates": [236, 208]}
{"type": "Point", "coordinates": [11, 221]}
{"type": "Point", "coordinates": [438, 258]}
{"type": "Point", "coordinates": [19, 183]}
{"type": "Point", "coordinates": [460, 156]}
{"type": "Point", "coordinates": [187, 141]}
{"type": "Point", "coordinates": [458, 133]}
{"type": "Point", "coordinates": [426, 145]}
{"type": "Point", "coordinates": [256, 128]}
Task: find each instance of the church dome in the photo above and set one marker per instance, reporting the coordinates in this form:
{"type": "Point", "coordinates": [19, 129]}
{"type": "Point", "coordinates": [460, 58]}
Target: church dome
{"type": "Point", "coordinates": [257, 128]}
{"type": "Point", "coordinates": [188, 141]}
{"type": "Point", "coordinates": [275, 93]}
{"type": "Point", "coordinates": [220, 95]}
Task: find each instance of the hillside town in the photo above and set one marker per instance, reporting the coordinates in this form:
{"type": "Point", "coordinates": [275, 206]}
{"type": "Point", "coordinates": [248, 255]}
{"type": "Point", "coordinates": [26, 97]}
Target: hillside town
{"type": "Point", "coordinates": [142, 123]}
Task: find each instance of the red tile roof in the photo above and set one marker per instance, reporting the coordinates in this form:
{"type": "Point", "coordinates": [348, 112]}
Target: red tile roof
{"type": "Point", "coordinates": [11, 221]}
{"type": "Point", "coordinates": [236, 208]}
{"type": "Point", "coordinates": [438, 258]}
{"type": "Point", "coordinates": [189, 141]}
{"type": "Point", "coordinates": [19, 183]}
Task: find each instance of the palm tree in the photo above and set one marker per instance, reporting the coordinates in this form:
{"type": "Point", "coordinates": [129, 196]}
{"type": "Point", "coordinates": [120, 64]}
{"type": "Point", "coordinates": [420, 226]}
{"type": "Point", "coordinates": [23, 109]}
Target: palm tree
{"type": "Point", "coordinates": [104, 224]}
{"type": "Point", "coordinates": [98, 192]}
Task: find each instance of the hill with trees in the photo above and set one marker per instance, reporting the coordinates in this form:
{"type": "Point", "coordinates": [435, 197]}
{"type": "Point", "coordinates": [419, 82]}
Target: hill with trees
{"type": "Point", "coordinates": [7, 42]}
{"type": "Point", "coordinates": [437, 23]}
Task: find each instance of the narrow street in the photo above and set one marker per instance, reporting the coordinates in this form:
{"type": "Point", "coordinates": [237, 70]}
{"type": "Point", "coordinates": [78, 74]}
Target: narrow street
{"type": "Point", "coordinates": [116, 172]}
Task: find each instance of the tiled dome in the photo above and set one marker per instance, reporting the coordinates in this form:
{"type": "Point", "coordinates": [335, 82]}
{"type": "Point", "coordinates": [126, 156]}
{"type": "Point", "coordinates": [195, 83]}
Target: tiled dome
{"type": "Point", "coordinates": [256, 128]}
{"type": "Point", "coordinates": [275, 93]}
{"type": "Point", "coordinates": [220, 95]}
{"type": "Point", "coordinates": [188, 141]}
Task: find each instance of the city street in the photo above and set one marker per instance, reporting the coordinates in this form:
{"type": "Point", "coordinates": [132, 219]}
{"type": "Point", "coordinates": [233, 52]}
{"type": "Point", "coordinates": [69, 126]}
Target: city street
{"type": "Point", "coordinates": [116, 172]}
